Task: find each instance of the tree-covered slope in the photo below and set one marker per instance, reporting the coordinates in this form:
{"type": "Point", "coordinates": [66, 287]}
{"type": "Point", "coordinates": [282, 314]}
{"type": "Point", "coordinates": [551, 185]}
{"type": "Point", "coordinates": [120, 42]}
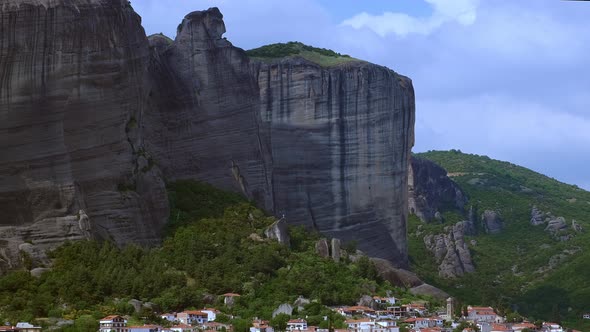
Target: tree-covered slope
{"type": "Point", "coordinates": [524, 267]}
{"type": "Point", "coordinates": [216, 244]}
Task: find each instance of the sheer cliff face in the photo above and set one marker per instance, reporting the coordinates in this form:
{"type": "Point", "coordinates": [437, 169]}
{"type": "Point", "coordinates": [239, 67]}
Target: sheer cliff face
{"type": "Point", "coordinates": [93, 117]}
{"type": "Point", "coordinates": [204, 123]}
{"type": "Point", "coordinates": [71, 76]}
{"type": "Point", "coordinates": [340, 140]}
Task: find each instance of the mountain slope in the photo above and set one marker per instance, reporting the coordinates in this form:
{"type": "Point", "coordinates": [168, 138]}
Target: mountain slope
{"type": "Point", "coordinates": [525, 267]}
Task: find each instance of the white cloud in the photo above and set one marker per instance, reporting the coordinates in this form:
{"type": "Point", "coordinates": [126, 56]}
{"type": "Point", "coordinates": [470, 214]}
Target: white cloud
{"type": "Point", "coordinates": [461, 11]}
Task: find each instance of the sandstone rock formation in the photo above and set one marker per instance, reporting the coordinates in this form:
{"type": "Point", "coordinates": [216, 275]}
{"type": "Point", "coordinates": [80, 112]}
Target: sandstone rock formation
{"type": "Point", "coordinates": [450, 250]}
{"type": "Point", "coordinates": [103, 115]}
{"type": "Point", "coordinates": [430, 190]}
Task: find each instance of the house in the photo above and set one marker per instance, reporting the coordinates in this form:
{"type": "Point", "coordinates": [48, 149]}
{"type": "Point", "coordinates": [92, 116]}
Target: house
{"type": "Point", "coordinates": [388, 325]}
{"type": "Point", "coordinates": [211, 313]}
{"type": "Point", "coordinates": [192, 317]}
{"type": "Point", "coordinates": [357, 311]}
{"type": "Point", "coordinates": [215, 326]}
{"type": "Point", "coordinates": [500, 328]}
{"type": "Point", "coordinates": [145, 328]}
{"type": "Point", "coordinates": [398, 311]}
{"type": "Point", "coordinates": [420, 323]}
{"type": "Point", "coordinates": [26, 327]}
{"type": "Point", "coordinates": [182, 328]}
{"type": "Point", "coordinates": [296, 325]}
{"type": "Point", "coordinates": [586, 316]}
{"type": "Point", "coordinates": [113, 323]}
{"type": "Point", "coordinates": [360, 325]}
{"type": "Point", "coordinates": [521, 326]}
{"type": "Point", "coordinates": [384, 300]}
{"type": "Point", "coordinates": [551, 327]}
{"type": "Point", "coordinates": [228, 298]}
{"type": "Point", "coordinates": [483, 315]}
{"type": "Point", "coordinates": [415, 309]}
{"type": "Point", "coordinates": [260, 326]}
{"type": "Point", "coordinates": [171, 317]}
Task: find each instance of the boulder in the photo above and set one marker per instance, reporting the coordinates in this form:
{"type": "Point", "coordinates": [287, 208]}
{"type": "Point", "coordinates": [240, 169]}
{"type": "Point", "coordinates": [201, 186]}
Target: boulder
{"type": "Point", "coordinates": [284, 308]}
{"type": "Point", "coordinates": [367, 301]}
{"type": "Point", "coordinates": [556, 225]}
{"type": "Point", "coordinates": [279, 231]}
{"type": "Point", "coordinates": [492, 222]}
{"type": "Point", "coordinates": [301, 302]}
{"type": "Point", "coordinates": [336, 250]}
{"type": "Point", "coordinates": [322, 248]}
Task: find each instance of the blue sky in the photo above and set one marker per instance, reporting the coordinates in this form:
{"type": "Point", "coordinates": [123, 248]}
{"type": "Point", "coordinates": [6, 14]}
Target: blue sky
{"type": "Point", "coordinates": [504, 78]}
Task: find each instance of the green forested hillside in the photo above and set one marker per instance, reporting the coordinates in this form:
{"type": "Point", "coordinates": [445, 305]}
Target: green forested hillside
{"type": "Point", "coordinates": [513, 269]}
{"type": "Point", "coordinates": [215, 245]}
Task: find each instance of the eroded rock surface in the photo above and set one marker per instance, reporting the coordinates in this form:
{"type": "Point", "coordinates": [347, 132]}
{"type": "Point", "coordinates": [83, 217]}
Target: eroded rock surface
{"type": "Point", "coordinates": [430, 190]}
{"type": "Point", "coordinates": [451, 251]}
{"type": "Point", "coordinates": [72, 88]}
{"type": "Point", "coordinates": [93, 117]}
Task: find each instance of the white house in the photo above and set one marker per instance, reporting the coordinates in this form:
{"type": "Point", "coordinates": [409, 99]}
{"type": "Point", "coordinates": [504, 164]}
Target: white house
{"type": "Point", "coordinates": [483, 314]}
{"type": "Point", "coordinates": [420, 323]}
{"type": "Point", "coordinates": [384, 300]}
{"type": "Point", "coordinates": [552, 327]}
{"type": "Point", "coordinates": [170, 316]}
{"type": "Point", "coordinates": [182, 328]}
{"type": "Point", "coordinates": [360, 325]}
{"type": "Point", "coordinates": [296, 325]}
{"type": "Point", "coordinates": [26, 327]}
{"type": "Point", "coordinates": [113, 323]}
{"type": "Point", "coordinates": [192, 317]}
{"type": "Point", "coordinates": [211, 313]}
{"type": "Point", "coordinates": [586, 316]}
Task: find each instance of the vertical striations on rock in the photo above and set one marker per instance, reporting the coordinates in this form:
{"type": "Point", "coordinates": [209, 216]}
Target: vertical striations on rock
{"type": "Point", "coordinates": [341, 138]}
{"type": "Point", "coordinates": [94, 115]}
{"type": "Point", "coordinates": [71, 96]}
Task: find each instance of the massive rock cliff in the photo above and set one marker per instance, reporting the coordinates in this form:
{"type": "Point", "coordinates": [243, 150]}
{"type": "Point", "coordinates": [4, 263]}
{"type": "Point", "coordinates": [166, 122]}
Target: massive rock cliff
{"type": "Point", "coordinates": [340, 139]}
{"type": "Point", "coordinates": [71, 88]}
{"type": "Point", "coordinates": [95, 116]}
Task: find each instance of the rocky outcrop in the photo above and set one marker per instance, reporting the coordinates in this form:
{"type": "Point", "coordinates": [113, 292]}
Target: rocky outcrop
{"type": "Point", "coordinates": [537, 216]}
{"type": "Point", "coordinates": [72, 88]}
{"type": "Point", "coordinates": [322, 248]}
{"type": "Point", "coordinates": [335, 250]}
{"type": "Point", "coordinates": [556, 226]}
{"type": "Point", "coordinates": [279, 231]}
{"type": "Point", "coordinates": [284, 308]}
{"type": "Point", "coordinates": [450, 251]}
{"type": "Point", "coordinates": [431, 191]}
{"type": "Point", "coordinates": [93, 119]}
{"type": "Point", "coordinates": [492, 222]}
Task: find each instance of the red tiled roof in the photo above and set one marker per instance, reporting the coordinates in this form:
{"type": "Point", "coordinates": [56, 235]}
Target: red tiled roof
{"type": "Point", "coordinates": [296, 321]}
{"type": "Point", "coordinates": [500, 327]}
{"type": "Point", "coordinates": [111, 317]}
{"type": "Point", "coordinates": [145, 327]}
{"type": "Point", "coordinates": [195, 313]}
